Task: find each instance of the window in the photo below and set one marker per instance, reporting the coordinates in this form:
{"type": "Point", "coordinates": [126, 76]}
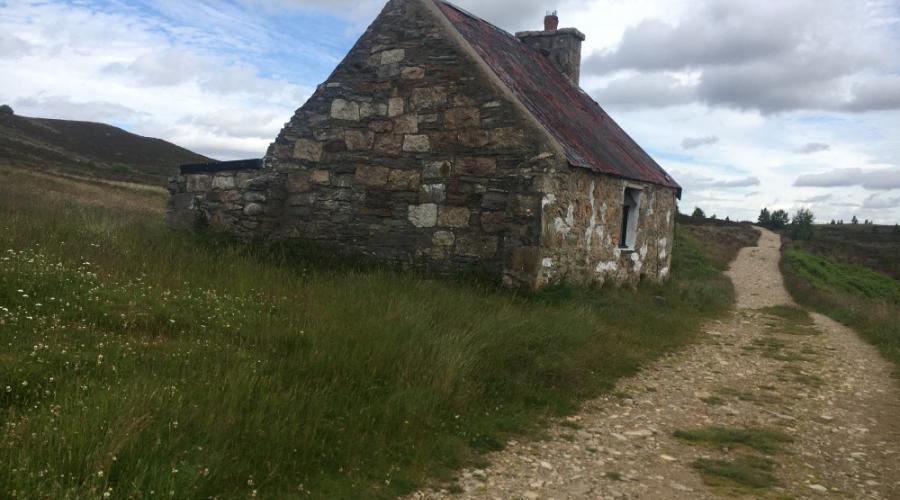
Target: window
{"type": "Point", "coordinates": [631, 207]}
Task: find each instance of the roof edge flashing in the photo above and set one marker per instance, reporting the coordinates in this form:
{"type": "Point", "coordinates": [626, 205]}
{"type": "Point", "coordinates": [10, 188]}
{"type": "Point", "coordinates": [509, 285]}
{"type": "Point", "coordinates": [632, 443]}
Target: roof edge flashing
{"type": "Point", "coordinates": [562, 31]}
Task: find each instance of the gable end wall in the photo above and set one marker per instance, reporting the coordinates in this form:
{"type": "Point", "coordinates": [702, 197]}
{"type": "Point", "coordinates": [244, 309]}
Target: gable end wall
{"type": "Point", "coordinates": [410, 155]}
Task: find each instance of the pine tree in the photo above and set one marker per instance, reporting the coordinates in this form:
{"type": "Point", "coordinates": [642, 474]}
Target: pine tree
{"type": "Point", "coordinates": [802, 224]}
{"type": "Point", "coordinates": [765, 218]}
{"type": "Point", "coordinates": [780, 220]}
{"type": "Point", "coordinates": [854, 220]}
{"type": "Point", "coordinates": [698, 213]}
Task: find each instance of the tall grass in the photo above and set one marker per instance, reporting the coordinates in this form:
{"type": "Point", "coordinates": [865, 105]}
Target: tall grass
{"type": "Point", "coordinates": [138, 362]}
{"type": "Point", "coordinates": [858, 297]}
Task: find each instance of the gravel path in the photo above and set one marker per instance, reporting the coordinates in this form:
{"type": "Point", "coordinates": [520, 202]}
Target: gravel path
{"type": "Point", "coordinates": [825, 388]}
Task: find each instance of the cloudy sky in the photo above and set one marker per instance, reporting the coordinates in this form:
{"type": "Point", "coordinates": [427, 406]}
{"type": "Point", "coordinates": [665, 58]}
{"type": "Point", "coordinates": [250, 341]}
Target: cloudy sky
{"type": "Point", "coordinates": [785, 104]}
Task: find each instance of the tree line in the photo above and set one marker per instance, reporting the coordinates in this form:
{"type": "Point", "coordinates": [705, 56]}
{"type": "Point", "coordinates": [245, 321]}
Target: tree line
{"type": "Point", "coordinates": [800, 226]}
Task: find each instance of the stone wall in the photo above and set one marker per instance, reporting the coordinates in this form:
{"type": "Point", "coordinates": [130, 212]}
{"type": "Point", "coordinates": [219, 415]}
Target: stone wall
{"type": "Point", "coordinates": [410, 154]}
{"type": "Point", "coordinates": [563, 47]}
{"type": "Point", "coordinates": [581, 227]}
{"type": "Point", "coordinates": [244, 203]}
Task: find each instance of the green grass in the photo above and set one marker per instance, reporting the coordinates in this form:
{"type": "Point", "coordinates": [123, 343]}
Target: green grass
{"type": "Point", "coordinates": [713, 401]}
{"type": "Point", "coordinates": [762, 440]}
{"type": "Point", "coordinates": [142, 362]}
{"type": "Point", "coordinates": [872, 247]}
{"type": "Point", "coordinates": [790, 313]}
{"type": "Point", "coordinates": [742, 473]}
{"type": "Point", "coordinates": [792, 320]}
{"type": "Point", "coordinates": [858, 297]}
{"type": "Point", "coordinates": [828, 275]}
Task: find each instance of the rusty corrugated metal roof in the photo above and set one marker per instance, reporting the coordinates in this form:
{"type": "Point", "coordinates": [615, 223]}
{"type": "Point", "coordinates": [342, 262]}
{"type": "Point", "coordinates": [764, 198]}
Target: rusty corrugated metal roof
{"type": "Point", "coordinates": [591, 139]}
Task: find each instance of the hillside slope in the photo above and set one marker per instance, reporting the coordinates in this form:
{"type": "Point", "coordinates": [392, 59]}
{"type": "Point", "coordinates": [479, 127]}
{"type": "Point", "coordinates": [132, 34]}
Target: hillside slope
{"type": "Point", "coordinates": [874, 247]}
{"type": "Point", "coordinates": [89, 149]}
{"type": "Point", "coordinates": [154, 358]}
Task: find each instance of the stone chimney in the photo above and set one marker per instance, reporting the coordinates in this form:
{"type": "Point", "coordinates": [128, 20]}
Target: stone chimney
{"type": "Point", "coordinates": [551, 21]}
{"type": "Point", "coordinates": [561, 46]}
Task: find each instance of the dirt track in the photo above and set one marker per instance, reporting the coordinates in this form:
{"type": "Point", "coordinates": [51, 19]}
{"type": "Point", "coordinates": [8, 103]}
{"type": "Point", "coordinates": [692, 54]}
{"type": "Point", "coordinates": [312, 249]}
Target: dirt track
{"type": "Point", "coordinates": [825, 388]}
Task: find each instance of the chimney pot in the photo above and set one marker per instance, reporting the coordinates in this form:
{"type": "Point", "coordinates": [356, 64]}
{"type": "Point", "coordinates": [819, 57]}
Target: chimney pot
{"type": "Point", "coordinates": [551, 21]}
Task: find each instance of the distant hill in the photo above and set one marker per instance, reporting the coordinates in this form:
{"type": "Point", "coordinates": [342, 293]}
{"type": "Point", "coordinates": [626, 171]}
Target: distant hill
{"type": "Point", "coordinates": [89, 149]}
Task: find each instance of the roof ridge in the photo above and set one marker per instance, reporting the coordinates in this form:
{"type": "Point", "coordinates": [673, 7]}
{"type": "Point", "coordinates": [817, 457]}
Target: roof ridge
{"type": "Point", "coordinates": [477, 18]}
{"type": "Point", "coordinates": [588, 135]}
{"type": "Point", "coordinates": [510, 35]}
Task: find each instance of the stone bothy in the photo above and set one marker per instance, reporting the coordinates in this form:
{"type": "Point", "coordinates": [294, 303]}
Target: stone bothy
{"type": "Point", "coordinates": [442, 143]}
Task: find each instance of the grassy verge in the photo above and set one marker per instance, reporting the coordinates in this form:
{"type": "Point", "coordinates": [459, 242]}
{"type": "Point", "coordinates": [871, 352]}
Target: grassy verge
{"type": "Point", "coordinates": [138, 362]}
{"type": "Point", "coordinates": [856, 296]}
{"type": "Point", "coordinates": [762, 440]}
{"type": "Point", "coordinates": [746, 472]}
{"type": "Point", "coordinates": [751, 472]}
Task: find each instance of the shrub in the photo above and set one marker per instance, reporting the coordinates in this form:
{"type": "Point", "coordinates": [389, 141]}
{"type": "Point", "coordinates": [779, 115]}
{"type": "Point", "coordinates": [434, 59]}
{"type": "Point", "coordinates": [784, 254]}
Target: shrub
{"type": "Point", "coordinates": [765, 218]}
{"type": "Point", "coordinates": [802, 224]}
{"type": "Point", "coordinates": [779, 220]}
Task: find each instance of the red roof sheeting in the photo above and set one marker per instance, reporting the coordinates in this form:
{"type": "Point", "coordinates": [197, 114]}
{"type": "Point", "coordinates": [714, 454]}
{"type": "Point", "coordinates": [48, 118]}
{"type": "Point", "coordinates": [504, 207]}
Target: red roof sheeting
{"type": "Point", "coordinates": [591, 139]}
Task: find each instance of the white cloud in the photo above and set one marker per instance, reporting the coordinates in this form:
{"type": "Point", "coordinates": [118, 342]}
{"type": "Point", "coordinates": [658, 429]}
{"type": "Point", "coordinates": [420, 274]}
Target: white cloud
{"type": "Point", "coordinates": [875, 94]}
{"type": "Point", "coordinates": [655, 90]}
{"type": "Point", "coordinates": [817, 199]}
{"type": "Point", "coordinates": [152, 75]}
{"type": "Point", "coordinates": [769, 57]}
{"type": "Point", "coordinates": [13, 47]}
{"type": "Point", "coordinates": [354, 10]}
{"type": "Point", "coordinates": [63, 107]}
{"type": "Point", "coordinates": [702, 183]}
{"type": "Point", "coordinates": [222, 76]}
{"type": "Point", "coordinates": [162, 68]}
{"type": "Point", "coordinates": [874, 180]}
{"type": "Point", "coordinates": [696, 142]}
{"type": "Point", "coordinates": [878, 202]}
{"type": "Point", "coordinates": [812, 147]}
{"type": "Point", "coordinates": [833, 178]}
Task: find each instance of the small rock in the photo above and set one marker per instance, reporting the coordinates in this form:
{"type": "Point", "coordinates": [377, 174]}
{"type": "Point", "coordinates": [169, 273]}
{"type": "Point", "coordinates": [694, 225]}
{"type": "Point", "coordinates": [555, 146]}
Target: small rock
{"type": "Point", "coordinates": [546, 465]}
{"type": "Point", "coordinates": [819, 488]}
{"type": "Point", "coordinates": [530, 495]}
{"type": "Point", "coordinates": [680, 487]}
{"type": "Point", "coordinates": [667, 458]}
{"type": "Point", "coordinates": [642, 433]}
